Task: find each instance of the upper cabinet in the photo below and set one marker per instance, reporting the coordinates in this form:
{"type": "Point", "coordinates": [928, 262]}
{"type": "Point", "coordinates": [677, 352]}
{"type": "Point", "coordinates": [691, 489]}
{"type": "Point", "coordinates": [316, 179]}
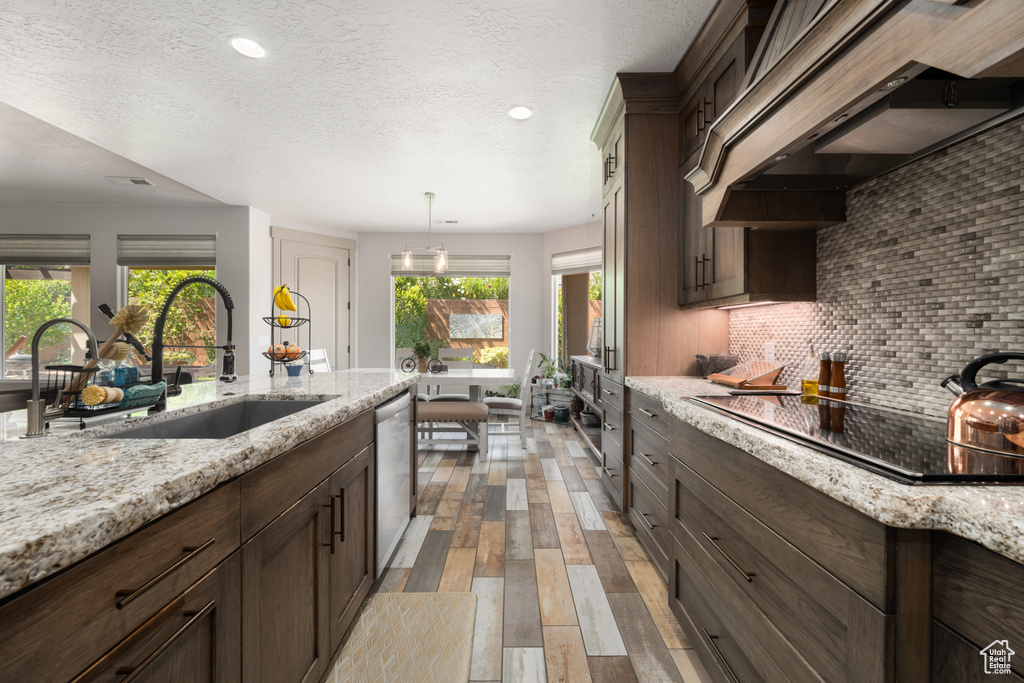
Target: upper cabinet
{"type": "Point", "coordinates": [839, 91]}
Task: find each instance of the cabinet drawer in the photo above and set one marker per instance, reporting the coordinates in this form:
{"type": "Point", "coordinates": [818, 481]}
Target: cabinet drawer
{"type": "Point", "coordinates": [976, 593]}
{"type": "Point", "coordinates": [733, 641]}
{"type": "Point", "coordinates": [60, 627]}
{"type": "Point", "coordinates": [650, 519]}
{"type": "Point", "coordinates": [835, 630]}
{"type": "Point", "coordinates": [611, 427]}
{"type": "Point", "coordinates": [650, 412]}
{"type": "Point", "coordinates": [649, 458]}
{"type": "Point", "coordinates": [852, 546]}
{"type": "Point", "coordinates": [273, 487]}
{"type": "Point", "coordinates": [196, 637]}
{"type": "Point", "coordinates": [612, 473]}
{"type": "Point", "coordinates": [612, 393]}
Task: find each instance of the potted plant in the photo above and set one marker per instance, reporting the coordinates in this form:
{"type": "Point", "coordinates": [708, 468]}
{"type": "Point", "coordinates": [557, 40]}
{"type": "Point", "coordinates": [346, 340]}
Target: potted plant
{"type": "Point", "coordinates": [423, 351]}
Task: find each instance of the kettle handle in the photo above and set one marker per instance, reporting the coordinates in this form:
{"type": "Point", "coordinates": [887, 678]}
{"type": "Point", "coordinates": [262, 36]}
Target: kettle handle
{"type": "Point", "coordinates": [970, 370]}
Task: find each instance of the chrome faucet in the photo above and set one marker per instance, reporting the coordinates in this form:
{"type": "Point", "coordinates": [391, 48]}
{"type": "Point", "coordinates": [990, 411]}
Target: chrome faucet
{"type": "Point", "coordinates": [36, 405]}
{"type": "Point", "coordinates": [157, 374]}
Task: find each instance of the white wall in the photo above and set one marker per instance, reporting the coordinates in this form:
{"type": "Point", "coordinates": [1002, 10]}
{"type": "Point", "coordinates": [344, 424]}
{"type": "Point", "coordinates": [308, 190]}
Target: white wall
{"type": "Point", "coordinates": [568, 239]}
{"type": "Point", "coordinates": [104, 223]}
{"type": "Point", "coordinates": [527, 287]}
{"type": "Point", "coordinates": [261, 286]}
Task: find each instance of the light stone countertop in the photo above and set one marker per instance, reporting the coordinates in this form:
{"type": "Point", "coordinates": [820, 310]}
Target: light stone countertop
{"type": "Point", "coordinates": [990, 515]}
{"type": "Point", "coordinates": [67, 495]}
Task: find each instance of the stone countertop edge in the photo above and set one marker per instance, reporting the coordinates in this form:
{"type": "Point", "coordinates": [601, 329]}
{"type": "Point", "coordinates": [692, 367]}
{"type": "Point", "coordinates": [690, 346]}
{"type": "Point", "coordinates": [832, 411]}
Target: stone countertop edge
{"type": "Point", "coordinates": [65, 497]}
{"type": "Point", "coordinates": [992, 516]}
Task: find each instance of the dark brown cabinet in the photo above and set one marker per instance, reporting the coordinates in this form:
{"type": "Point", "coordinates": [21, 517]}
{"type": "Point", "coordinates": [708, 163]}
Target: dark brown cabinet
{"type": "Point", "coordinates": [179, 600]}
{"type": "Point", "coordinates": [351, 546]}
{"type": "Point", "coordinates": [195, 638]}
{"type": "Point", "coordinates": [284, 595]}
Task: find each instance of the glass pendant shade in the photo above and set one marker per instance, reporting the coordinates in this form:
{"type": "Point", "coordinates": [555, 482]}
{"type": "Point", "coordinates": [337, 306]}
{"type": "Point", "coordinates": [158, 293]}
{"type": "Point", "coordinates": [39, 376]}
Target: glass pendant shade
{"type": "Point", "coordinates": [407, 258]}
{"type": "Point", "coordinates": [441, 260]}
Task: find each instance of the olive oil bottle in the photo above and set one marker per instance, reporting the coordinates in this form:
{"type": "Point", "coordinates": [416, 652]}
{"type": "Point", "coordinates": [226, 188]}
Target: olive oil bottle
{"type": "Point", "coordinates": [809, 378]}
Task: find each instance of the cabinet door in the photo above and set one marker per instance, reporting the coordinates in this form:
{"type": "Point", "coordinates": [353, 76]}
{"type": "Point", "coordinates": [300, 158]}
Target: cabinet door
{"type": "Point", "coordinates": [613, 280]}
{"type": "Point", "coordinates": [194, 638]}
{"type": "Point", "coordinates": [693, 123]}
{"type": "Point", "coordinates": [723, 85]}
{"type": "Point", "coordinates": [284, 596]}
{"type": "Point", "coordinates": [351, 547]}
{"type": "Point", "coordinates": [725, 262]}
{"type": "Point", "coordinates": [613, 158]}
{"type": "Point", "coordinates": [691, 245]}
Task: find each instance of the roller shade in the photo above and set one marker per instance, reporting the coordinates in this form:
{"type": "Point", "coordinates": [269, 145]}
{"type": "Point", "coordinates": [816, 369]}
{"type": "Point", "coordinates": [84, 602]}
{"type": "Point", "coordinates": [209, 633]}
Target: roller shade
{"type": "Point", "coordinates": [578, 261]}
{"type": "Point", "coordinates": [166, 250]}
{"type": "Point", "coordinates": [459, 265]}
{"type": "Point", "coordinates": [44, 250]}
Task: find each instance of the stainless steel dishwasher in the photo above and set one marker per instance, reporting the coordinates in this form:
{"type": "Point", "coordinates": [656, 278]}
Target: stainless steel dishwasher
{"type": "Point", "coordinates": [394, 474]}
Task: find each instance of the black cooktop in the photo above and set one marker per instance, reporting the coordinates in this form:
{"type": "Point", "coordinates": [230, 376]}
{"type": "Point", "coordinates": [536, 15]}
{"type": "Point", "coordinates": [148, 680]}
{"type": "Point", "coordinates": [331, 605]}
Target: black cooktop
{"type": "Point", "coordinates": [903, 446]}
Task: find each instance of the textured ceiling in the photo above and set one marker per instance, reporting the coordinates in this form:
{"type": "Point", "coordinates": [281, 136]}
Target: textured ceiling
{"type": "Point", "coordinates": [359, 106]}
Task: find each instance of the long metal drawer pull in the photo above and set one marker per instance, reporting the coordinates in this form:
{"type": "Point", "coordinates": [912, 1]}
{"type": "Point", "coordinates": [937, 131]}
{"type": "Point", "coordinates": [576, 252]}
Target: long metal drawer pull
{"type": "Point", "coordinates": [609, 427]}
{"type": "Point", "coordinates": [647, 458]}
{"type": "Point", "coordinates": [607, 471]}
{"type": "Point", "coordinates": [330, 544]}
{"type": "Point", "coordinates": [609, 393]}
{"type": "Point", "coordinates": [749, 576]}
{"type": "Point", "coordinates": [130, 594]}
{"type": "Point", "coordinates": [643, 516]}
{"type": "Point", "coordinates": [132, 672]}
{"type": "Point", "coordinates": [646, 412]}
{"type": "Point", "coordinates": [341, 507]}
{"type": "Point", "coordinates": [711, 641]}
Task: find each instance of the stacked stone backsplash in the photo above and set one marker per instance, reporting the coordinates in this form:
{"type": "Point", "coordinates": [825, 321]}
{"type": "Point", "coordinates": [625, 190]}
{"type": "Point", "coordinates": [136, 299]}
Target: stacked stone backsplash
{"type": "Point", "coordinates": [926, 274]}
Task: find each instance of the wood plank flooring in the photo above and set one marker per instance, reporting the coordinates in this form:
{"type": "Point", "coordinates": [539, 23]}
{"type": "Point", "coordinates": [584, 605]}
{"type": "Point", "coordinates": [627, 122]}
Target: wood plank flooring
{"type": "Point", "coordinates": [565, 592]}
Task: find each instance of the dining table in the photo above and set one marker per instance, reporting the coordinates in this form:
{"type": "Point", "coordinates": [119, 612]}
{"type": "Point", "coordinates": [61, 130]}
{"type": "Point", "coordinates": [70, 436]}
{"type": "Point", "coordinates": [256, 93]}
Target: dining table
{"type": "Point", "coordinates": [475, 378]}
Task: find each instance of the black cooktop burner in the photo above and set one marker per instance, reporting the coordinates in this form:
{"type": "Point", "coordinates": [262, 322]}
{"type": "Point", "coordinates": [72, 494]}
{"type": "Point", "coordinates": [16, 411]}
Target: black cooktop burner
{"type": "Point", "coordinates": [902, 446]}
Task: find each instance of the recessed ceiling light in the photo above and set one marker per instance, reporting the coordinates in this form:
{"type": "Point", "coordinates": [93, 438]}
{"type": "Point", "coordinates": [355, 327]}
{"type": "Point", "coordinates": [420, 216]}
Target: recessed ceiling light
{"type": "Point", "coordinates": [248, 47]}
{"type": "Point", "coordinates": [893, 83]}
{"type": "Point", "coordinates": [520, 113]}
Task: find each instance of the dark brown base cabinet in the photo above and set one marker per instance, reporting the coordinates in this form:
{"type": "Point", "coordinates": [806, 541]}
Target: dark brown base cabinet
{"type": "Point", "coordinates": [257, 580]}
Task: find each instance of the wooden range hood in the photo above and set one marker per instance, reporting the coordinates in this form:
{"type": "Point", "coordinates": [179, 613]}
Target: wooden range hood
{"type": "Point", "coordinates": [784, 154]}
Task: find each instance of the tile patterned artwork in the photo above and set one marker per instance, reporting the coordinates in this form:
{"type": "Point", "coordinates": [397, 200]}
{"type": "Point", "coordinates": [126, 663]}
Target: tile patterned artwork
{"type": "Point", "coordinates": [925, 275]}
{"type": "Point", "coordinates": [476, 326]}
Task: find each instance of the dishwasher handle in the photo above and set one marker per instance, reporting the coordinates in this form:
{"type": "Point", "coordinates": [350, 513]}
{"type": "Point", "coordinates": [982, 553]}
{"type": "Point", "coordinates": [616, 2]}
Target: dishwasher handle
{"type": "Point", "coordinates": [388, 410]}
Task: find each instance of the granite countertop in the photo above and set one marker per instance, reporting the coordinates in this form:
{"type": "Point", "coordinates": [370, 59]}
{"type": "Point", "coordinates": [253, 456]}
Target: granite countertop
{"type": "Point", "coordinates": [990, 515]}
{"type": "Point", "coordinates": [67, 495]}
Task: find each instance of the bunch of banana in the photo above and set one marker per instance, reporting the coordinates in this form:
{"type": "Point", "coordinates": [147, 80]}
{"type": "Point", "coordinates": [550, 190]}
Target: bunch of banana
{"type": "Point", "coordinates": [283, 298]}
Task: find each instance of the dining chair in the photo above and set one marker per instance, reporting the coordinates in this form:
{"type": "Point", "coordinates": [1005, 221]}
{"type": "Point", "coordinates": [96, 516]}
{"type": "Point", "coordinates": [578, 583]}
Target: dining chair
{"type": "Point", "coordinates": [455, 359]}
{"type": "Point", "coordinates": [318, 360]}
{"type": "Point", "coordinates": [515, 405]}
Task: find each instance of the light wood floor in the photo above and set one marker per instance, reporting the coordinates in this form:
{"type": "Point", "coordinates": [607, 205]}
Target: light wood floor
{"type": "Point", "coordinates": [565, 592]}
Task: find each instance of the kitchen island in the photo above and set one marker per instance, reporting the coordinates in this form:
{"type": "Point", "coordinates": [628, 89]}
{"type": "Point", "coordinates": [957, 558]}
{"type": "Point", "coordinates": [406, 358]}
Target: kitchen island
{"type": "Point", "coordinates": [269, 533]}
{"type": "Point", "coordinates": [784, 563]}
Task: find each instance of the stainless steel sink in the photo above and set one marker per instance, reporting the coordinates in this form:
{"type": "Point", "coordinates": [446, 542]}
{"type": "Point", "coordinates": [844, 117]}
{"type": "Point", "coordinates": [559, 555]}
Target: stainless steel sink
{"type": "Point", "coordinates": [218, 423]}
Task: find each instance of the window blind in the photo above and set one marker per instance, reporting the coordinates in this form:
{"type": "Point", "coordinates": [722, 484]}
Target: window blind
{"type": "Point", "coordinates": [578, 261]}
{"type": "Point", "coordinates": [166, 250]}
{"type": "Point", "coordinates": [44, 250]}
{"type": "Point", "coordinates": [459, 265]}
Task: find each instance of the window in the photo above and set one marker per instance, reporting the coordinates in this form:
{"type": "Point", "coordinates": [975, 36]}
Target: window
{"type": "Point", "coordinates": [456, 312]}
{"type": "Point", "coordinates": [33, 294]}
{"type": "Point", "coordinates": [190, 334]}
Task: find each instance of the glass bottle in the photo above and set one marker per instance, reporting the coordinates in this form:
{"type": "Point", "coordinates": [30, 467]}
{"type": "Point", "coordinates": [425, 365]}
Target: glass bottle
{"type": "Point", "coordinates": [809, 375]}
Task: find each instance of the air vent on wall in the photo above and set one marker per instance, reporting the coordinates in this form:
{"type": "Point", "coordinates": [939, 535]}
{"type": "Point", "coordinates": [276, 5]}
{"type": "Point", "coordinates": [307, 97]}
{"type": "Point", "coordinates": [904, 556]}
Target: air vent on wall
{"type": "Point", "coordinates": [117, 180]}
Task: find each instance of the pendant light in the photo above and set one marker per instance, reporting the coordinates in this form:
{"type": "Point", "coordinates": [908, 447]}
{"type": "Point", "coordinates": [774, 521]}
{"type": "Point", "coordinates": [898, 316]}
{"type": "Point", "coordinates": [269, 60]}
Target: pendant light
{"type": "Point", "coordinates": [440, 253]}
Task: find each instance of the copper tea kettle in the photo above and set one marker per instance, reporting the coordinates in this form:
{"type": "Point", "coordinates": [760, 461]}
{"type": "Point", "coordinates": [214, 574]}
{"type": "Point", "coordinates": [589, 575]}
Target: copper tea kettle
{"type": "Point", "coordinates": [989, 417]}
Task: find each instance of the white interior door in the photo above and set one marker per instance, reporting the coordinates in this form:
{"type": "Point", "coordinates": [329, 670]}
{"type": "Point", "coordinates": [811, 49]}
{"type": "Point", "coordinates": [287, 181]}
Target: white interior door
{"type": "Point", "coordinates": [321, 274]}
